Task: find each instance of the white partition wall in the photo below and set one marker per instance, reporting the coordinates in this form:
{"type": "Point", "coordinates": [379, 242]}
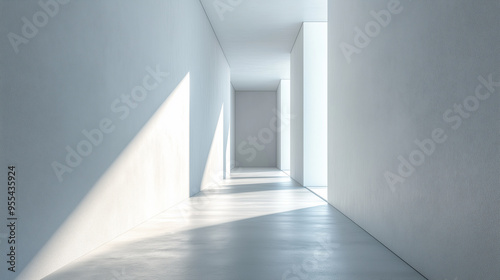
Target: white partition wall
{"type": "Point", "coordinates": [111, 112]}
{"type": "Point", "coordinates": [284, 125]}
{"type": "Point", "coordinates": [308, 102]}
{"type": "Point", "coordinates": [414, 98]}
{"type": "Point", "coordinates": [230, 162]}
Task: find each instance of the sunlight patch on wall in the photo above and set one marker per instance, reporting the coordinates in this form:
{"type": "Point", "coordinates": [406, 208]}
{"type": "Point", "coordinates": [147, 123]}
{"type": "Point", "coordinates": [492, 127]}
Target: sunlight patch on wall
{"type": "Point", "coordinates": [213, 174]}
{"type": "Point", "coordinates": [149, 176]}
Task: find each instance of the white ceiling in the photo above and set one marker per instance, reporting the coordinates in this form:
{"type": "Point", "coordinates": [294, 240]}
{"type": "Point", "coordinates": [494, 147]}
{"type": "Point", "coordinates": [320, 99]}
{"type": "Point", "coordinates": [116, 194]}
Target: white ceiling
{"type": "Point", "coordinates": [258, 35]}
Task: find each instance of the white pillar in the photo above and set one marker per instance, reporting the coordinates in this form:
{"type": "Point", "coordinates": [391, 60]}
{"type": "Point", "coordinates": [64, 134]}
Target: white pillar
{"type": "Point", "coordinates": [284, 125]}
{"type": "Point", "coordinates": [309, 73]}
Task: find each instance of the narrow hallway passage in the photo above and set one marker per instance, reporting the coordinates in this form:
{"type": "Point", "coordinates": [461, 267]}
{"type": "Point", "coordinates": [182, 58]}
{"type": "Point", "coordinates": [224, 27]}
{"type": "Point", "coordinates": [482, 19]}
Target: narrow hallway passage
{"type": "Point", "coordinates": [258, 224]}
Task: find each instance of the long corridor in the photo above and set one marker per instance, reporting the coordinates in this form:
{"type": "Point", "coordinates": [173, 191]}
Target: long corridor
{"type": "Point", "coordinates": [257, 225]}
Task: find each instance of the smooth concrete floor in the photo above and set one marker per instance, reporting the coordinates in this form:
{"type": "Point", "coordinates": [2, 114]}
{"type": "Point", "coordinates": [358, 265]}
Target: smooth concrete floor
{"type": "Point", "coordinates": [257, 225]}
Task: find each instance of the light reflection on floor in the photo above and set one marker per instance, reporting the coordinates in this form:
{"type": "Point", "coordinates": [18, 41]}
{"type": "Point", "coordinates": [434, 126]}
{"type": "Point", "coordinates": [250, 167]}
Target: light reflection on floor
{"type": "Point", "coordinates": [258, 224]}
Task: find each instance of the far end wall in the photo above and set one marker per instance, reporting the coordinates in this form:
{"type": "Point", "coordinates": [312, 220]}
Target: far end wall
{"type": "Point", "coordinates": [256, 126]}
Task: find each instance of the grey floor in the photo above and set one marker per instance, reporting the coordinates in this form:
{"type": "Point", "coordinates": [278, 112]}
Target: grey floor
{"type": "Point", "coordinates": [257, 225]}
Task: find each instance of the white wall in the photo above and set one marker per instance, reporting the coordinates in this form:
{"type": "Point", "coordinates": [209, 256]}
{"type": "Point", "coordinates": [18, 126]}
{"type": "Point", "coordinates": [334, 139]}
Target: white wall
{"type": "Point", "coordinates": [308, 105]}
{"type": "Point", "coordinates": [230, 147]}
{"type": "Point", "coordinates": [283, 132]}
{"type": "Point", "coordinates": [398, 87]}
{"type": "Point", "coordinates": [70, 76]}
{"type": "Point", "coordinates": [297, 109]}
{"type": "Point", "coordinates": [315, 103]}
{"type": "Point", "coordinates": [256, 126]}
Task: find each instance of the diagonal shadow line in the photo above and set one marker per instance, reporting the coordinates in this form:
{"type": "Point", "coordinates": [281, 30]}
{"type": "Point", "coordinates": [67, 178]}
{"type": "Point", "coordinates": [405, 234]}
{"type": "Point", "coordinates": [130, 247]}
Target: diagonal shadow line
{"type": "Point", "coordinates": [274, 248]}
{"type": "Point", "coordinates": [94, 168]}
